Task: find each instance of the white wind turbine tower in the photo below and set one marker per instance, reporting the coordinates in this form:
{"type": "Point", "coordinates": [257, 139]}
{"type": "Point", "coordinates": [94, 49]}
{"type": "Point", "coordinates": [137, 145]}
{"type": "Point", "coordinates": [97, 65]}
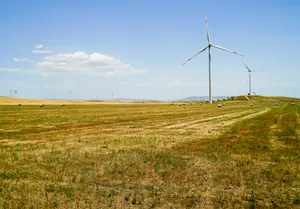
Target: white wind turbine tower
{"type": "Point", "coordinates": [209, 56]}
{"type": "Point", "coordinates": [249, 71]}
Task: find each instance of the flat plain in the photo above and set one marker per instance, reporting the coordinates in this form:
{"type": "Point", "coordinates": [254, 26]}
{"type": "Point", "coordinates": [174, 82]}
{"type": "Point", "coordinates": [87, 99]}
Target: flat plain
{"type": "Point", "coordinates": [151, 155]}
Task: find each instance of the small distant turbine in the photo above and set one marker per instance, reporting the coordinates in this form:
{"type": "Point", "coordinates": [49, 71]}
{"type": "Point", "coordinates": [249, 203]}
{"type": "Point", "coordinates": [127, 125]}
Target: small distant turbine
{"type": "Point", "coordinates": [209, 56]}
{"type": "Point", "coordinates": [70, 94]}
{"type": "Point", "coordinates": [112, 93]}
{"type": "Point", "coordinates": [249, 71]}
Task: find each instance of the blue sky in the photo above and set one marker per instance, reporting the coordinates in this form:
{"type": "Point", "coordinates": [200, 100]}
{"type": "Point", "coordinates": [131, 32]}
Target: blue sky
{"type": "Point", "coordinates": [135, 48]}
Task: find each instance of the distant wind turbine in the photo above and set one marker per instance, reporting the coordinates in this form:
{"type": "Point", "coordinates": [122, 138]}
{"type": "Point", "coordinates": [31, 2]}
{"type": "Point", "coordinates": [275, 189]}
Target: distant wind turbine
{"type": "Point", "coordinates": [70, 94]}
{"type": "Point", "coordinates": [249, 71]}
{"type": "Point", "coordinates": [209, 56]}
{"type": "Point", "coordinates": [112, 93]}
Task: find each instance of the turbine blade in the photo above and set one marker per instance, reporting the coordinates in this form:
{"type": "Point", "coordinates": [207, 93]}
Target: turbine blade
{"type": "Point", "coordinates": [222, 48]}
{"type": "Point", "coordinates": [207, 31]}
{"type": "Point", "coordinates": [195, 55]}
{"type": "Point", "coordinates": [246, 67]}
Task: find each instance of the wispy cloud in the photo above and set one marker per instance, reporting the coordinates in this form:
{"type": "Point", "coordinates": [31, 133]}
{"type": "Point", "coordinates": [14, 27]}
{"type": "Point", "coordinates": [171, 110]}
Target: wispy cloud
{"type": "Point", "coordinates": [22, 60]}
{"type": "Point", "coordinates": [42, 51]}
{"type": "Point", "coordinates": [39, 46]}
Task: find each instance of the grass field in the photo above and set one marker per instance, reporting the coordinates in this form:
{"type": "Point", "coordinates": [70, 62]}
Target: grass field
{"type": "Point", "coordinates": [150, 156]}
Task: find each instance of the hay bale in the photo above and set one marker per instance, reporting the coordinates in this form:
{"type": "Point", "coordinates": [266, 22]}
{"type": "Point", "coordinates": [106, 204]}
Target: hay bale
{"type": "Point", "coordinates": [63, 105]}
{"type": "Point", "coordinates": [219, 105]}
{"type": "Point", "coordinates": [19, 105]}
{"type": "Point", "coordinates": [251, 104]}
{"type": "Point", "coordinates": [42, 105]}
{"type": "Point", "coordinates": [276, 104]}
{"type": "Point", "coordinates": [293, 103]}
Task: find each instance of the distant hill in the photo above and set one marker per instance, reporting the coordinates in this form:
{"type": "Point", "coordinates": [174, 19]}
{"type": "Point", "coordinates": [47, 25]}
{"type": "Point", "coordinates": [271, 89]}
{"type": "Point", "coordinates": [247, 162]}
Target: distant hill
{"type": "Point", "coordinates": [268, 98]}
{"type": "Point", "coordinates": [203, 98]}
{"type": "Point", "coordinates": [128, 100]}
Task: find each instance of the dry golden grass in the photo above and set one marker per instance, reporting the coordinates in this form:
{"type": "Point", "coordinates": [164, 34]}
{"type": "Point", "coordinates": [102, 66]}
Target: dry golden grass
{"type": "Point", "coordinates": [150, 156]}
{"type": "Point", "coordinates": [17, 101]}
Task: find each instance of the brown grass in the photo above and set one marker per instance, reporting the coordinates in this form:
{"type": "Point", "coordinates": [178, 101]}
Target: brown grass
{"type": "Point", "coordinates": [150, 156]}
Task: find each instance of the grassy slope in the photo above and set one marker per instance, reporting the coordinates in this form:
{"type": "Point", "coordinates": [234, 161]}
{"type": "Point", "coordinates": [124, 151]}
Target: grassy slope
{"type": "Point", "coordinates": [144, 155]}
{"type": "Point", "coordinates": [268, 98]}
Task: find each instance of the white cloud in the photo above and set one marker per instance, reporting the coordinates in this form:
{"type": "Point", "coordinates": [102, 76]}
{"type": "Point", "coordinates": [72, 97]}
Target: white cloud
{"type": "Point", "coordinates": [39, 46]}
{"type": "Point", "coordinates": [77, 63]}
{"type": "Point", "coordinates": [22, 60]}
{"type": "Point", "coordinates": [42, 51]}
{"type": "Point", "coordinates": [82, 63]}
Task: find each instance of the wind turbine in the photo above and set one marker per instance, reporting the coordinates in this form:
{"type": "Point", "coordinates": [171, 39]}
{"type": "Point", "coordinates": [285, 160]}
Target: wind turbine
{"type": "Point", "coordinates": [112, 94]}
{"type": "Point", "coordinates": [249, 71]}
{"type": "Point", "coordinates": [70, 94]}
{"type": "Point", "coordinates": [209, 56]}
